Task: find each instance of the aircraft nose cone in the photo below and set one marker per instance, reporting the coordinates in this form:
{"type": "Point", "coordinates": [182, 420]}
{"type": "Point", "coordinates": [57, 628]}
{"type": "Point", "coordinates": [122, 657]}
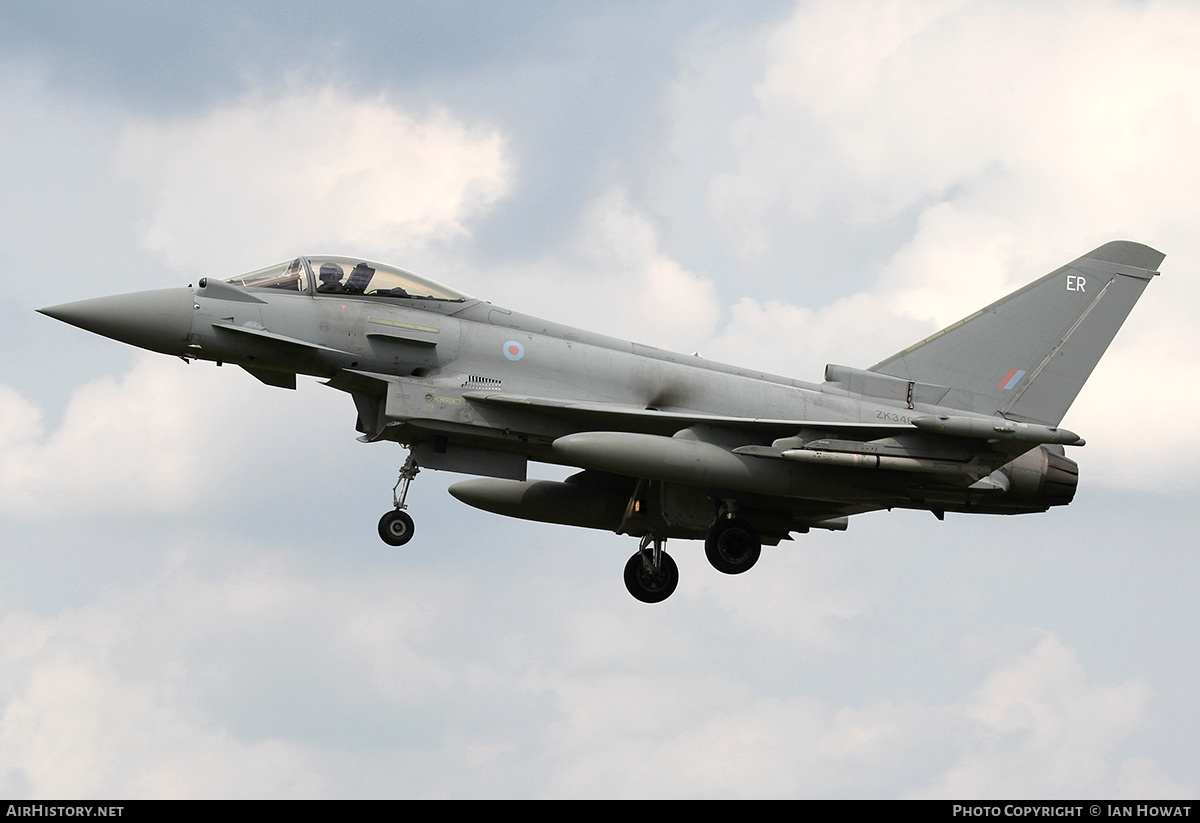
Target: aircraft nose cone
{"type": "Point", "coordinates": [159, 320]}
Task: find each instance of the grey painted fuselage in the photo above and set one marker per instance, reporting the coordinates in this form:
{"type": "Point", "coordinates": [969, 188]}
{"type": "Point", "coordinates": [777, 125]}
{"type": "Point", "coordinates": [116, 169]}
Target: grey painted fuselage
{"type": "Point", "coordinates": [670, 445]}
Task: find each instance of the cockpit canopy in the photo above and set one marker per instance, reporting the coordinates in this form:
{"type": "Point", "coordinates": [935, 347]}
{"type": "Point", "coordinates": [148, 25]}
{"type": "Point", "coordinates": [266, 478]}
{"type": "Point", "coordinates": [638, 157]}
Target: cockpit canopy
{"type": "Point", "coordinates": [327, 275]}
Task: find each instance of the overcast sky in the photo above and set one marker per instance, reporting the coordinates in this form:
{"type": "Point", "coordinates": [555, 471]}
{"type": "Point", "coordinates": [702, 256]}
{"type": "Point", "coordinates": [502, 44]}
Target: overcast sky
{"type": "Point", "coordinates": [193, 598]}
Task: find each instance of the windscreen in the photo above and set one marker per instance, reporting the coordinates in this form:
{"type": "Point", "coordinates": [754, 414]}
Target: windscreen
{"type": "Point", "coordinates": [290, 276]}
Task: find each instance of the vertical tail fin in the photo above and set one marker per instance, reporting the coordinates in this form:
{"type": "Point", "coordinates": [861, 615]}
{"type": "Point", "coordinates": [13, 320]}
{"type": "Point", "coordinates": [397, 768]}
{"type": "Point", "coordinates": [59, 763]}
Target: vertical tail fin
{"type": "Point", "coordinates": [1027, 355]}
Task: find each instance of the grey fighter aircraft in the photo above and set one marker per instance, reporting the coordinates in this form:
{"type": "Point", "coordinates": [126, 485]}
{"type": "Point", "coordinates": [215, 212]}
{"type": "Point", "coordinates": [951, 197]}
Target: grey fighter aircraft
{"type": "Point", "coordinates": [668, 445]}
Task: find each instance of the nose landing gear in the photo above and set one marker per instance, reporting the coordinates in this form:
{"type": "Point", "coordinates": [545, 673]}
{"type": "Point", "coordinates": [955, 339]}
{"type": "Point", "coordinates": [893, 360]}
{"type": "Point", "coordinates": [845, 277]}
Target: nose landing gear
{"type": "Point", "coordinates": [396, 527]}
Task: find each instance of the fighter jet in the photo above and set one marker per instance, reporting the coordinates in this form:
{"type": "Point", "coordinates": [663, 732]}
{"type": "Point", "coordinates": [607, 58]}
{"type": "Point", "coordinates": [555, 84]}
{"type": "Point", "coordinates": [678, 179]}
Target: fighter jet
{"type": "Point", "coordinates": [667, 445]}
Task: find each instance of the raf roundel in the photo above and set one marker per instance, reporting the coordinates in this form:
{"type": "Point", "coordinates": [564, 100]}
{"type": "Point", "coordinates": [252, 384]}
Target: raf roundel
{"type": "Point", "coordinates": [513, 350]}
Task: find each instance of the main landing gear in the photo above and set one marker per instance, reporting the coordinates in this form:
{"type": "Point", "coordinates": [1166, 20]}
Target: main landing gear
{"type": "Point", "coordinates": [651, 575]}
{"type": "Point", "coordinates": [732, 545]}
{"type": "Point", "coordinates": [396, 527]}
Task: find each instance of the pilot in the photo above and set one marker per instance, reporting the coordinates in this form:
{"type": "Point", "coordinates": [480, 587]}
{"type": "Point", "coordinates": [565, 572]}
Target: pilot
{"type": "Point", "coordinates": [331, 278]}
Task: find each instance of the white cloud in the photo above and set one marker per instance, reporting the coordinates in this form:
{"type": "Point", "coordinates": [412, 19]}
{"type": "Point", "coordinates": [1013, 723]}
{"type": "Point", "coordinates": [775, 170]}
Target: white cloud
{"type": "Point", "coordinates": [163, 438]}
{"type": "Point", "coordinates": [273, 175]}
{"type": "Point", "coordinates": [77, 730]}
{"type": "Point", "coordinates": [157, 690]}
{"type": "Point", "coordinates": [64, 218]}
{"type": "Point", "coordinates": [100, 701]}
{"type": "Point", "coordinates": [797, 604]}
{"type": "Point", "coordinates": [978, 103]}
{"type": "Point", "coordinates": [1049, 127]}
{"type": "Point", "coordinates": [611, 276]}
{"type": "Point", "coordinates": [1040, 730]}
{"type": "Point", "coordinates": [122, 445]}
{"type": "Point", "coordinates": [1034, 727]}
{"type": "Point", "coordinates": [1018, 137]}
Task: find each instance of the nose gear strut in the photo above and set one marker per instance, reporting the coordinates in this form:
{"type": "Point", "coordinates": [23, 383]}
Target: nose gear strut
{"type": "Point", "coordinates": [396, 527]}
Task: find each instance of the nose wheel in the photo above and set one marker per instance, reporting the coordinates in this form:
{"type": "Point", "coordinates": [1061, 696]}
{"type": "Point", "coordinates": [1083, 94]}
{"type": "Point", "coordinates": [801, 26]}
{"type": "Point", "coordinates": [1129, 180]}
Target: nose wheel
{"type": "Point", "coordinates": [396, 527]}
{"type": "Point", "coordinates": [651, 575]}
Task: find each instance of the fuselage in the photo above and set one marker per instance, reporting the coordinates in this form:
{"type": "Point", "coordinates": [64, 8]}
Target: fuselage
{"type": "Point", "coordinates": [670, 445]}
{"type": "Point", "coordinates": [443, 354]}
{"type": "Point", "coordinates": [481, 389]}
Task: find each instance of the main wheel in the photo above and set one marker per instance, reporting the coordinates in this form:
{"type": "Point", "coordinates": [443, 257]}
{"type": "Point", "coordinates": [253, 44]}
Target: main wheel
{"type": "Point", "coordinates": [396, 528]}
{"type": "Point", "coordinates": [732, 546]}
{"type": "Point", "coordinates": [650, 586]}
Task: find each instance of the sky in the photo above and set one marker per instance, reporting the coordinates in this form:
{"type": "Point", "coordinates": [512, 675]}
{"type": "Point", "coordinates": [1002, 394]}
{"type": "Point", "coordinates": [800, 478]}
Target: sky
{"type": "Point", "coordinates": [193, 598]}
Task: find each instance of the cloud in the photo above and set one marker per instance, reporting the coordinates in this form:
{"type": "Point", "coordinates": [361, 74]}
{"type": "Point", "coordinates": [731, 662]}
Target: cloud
{"type": "Point", "coordinates": [1033, 727]}
{"type": "Point", "coordinates": [974, 103]}
{"type": "Point", "coordinates": [1040, 730]}
{"type": "Point", "coordinates": [610, 275]}
{"type": "Point", "coordinates": [1006, 138]}
{"type": "Point", "coordinates": [78, 730]}
{"type": "Point", "coordinates": [798, 604]}
{"type": "Point", "coordinates": [163, 438]}
{"type": "Point", "coordinates": [64, 216]}
{"type": "Point", "coordinates": [1011, 140]}
{"type": "Point", "coordinates": [123, 445]}
{"type": "Point", "coordinates": [271, 175]}
{"type": "Point", "coordinates": [101, 700]}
